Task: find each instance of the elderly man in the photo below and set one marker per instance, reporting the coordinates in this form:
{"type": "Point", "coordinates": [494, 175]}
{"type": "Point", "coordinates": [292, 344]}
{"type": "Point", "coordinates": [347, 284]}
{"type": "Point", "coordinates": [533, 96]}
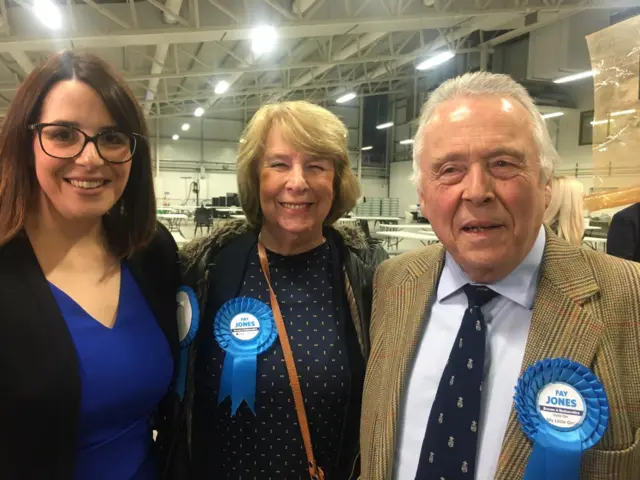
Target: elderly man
{"type": "Point", "coordinates": [455, 327]}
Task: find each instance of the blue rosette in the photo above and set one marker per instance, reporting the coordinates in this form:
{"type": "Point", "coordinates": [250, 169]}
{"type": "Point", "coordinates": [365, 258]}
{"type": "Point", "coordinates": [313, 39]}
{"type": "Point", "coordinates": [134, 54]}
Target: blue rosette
{"type": "Point", "coordinates": [244, 328]}
{"type": "Point", "coordinates": [188, 316]}
{"type": "Point", "coordinates": [563, 409]}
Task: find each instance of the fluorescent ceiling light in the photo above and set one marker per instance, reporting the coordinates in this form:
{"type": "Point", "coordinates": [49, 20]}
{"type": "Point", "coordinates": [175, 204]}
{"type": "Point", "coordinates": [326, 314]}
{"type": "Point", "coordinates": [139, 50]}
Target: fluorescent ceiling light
{"type": "Point", "coordinates": [575, 76]}
{"type": "Point", "coordinates": [623, 112]}
{"type": "Point", "coordinates": [175, 136]}
{"type": "Point", "coordinates": [435, 60]}
{"type": "Point", "coordinates": [263, 39]}
{"type": "Point", "coordinates": [408, 141]}
{"type": "Point", "coordinates": [552, 115]}
{"type": "Point", "coordinates": [185, 127]}
{"type": "Point", "coordinates": [599, 122]}
{"type": "Point", "coordinates": [221, 87]}
{"type": "Point", "coordinates": [369, 147]}
{"type": "Point", "coordinates": [382, 126]}
{"type": "Point", "coordinates": [346, 97]}
{"type": "Point", "coordinates": [48, 13]}
{"type": "Point", "coordinates": [199, 112]}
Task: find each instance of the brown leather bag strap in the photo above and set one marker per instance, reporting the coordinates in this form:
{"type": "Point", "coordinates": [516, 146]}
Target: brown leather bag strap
{"type": "Point", "coordinates": [314, 470]}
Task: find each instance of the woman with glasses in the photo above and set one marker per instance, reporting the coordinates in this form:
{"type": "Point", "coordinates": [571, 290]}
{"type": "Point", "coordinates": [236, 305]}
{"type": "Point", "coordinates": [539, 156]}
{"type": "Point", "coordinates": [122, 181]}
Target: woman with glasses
{"type": "Point", "coordinates": [88, 281]}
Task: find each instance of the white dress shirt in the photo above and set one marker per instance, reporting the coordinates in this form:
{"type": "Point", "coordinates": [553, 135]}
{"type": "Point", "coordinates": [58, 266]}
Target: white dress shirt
{"type": "Point", "coordinates": [508, 317]}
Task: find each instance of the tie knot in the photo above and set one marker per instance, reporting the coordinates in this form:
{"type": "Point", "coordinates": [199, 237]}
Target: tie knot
{"type": "Point", "coordinates": [478, 295]}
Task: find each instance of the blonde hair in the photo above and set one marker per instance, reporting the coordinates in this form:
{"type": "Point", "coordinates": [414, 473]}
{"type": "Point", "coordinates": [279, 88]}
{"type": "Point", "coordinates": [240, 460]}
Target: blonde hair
{"type": "Point", "coordinates": [565, 213]}
{"type": "Point", "coordinates": [308, 128]}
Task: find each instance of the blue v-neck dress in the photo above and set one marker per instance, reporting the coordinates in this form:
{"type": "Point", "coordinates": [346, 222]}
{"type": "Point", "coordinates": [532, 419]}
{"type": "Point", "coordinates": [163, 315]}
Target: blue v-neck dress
{"type": "Point", "coordinates": [125, 372]}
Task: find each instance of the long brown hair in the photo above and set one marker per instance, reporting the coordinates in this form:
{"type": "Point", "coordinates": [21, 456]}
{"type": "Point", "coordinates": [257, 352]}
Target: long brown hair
{"type": "Point", "coordinates": [131, 223]}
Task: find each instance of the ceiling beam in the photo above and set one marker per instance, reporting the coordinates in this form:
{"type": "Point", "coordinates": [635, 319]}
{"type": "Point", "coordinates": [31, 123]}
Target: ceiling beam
{"type": "Point", "coordinates": [355, 48]}
{"type": "Point", "coordinates": [270, 90]}
{"type": "Point", "coordinates": [442, 41]}
{"type": "Point", "coordinates": [171, 13]}
{"type": "Point", "coordinates": [23, 60]}
{"type": "Point", "coordinates": [408, 57]}
{"type": "Point", "coordinates": [232, 15]}
{"type": "Point", "coordinates": [111, 16]}
{"type": "Point", "coordinates": [306, 29]}
{"type": "Point", "coordinates": [281, 10]}
{"type": "Point", "coordinates": [233, 78]}
{"type": "Point", "coordinates": [515, 33]}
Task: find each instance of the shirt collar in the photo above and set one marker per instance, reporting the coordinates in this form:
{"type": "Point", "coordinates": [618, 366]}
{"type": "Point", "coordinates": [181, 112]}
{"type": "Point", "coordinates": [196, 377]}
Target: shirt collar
{"type": "Point", "coordinates": [519, 286]}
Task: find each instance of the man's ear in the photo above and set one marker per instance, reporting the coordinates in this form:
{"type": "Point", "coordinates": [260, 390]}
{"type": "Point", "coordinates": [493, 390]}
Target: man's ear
{"type": "Point", "coordinates": [547, 193]}
{"type": "Point", "coordinates": [423, 201]}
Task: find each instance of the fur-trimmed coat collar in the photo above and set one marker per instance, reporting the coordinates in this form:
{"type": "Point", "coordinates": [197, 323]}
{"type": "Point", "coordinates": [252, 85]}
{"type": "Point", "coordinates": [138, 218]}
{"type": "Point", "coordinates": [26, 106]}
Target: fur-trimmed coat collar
{"type": "Point", "coordinates": [225, 232]}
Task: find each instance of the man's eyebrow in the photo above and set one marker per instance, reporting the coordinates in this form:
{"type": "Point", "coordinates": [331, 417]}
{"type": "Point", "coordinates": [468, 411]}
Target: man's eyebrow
{"type": "Point", "coordinates": [449, 157]}
{"type": "Point", "coordinates": [496, 152]}
{"type": "Point", "coordinates": [505, 151]}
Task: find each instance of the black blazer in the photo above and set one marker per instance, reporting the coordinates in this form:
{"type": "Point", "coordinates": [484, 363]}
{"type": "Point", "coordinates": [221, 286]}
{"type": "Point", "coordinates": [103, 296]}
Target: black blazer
{"type": "Point", "coordinates": [623, 239]}
{"type": "Point", "coordinates": [40, 392]}
{"type": "Point", "coordinates": [226, 276]}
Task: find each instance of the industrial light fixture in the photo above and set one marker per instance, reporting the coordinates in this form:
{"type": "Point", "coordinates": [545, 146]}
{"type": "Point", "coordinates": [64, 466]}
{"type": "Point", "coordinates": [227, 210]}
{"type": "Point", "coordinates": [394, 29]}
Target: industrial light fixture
{"type": "Point", "coordinates": [619, 113]}
{"type": "Point", "coordinates": [436, 60]}
{"type": "Point", "coordinates": [176, 136]}
{"type": "Point", "coordinates": [623, 112]}
{"type": "Point", "coordinates": [199, 112]}
{"type": "Point", "coordinates": [263, 39]}
{"type": "Point", "coordinates": [48, 13]}
{"type": "Point", "coordinates": [552, 115]}
{"type": "Point", "coordinates": [576, 76]}
{"type": "Point", "coordinates": [408, 141]}
{"type": "Point", "coordinates": [346, 97]}
{"type": "Point", "coordinates": [368, 147]}
{"type": "Point", "coordinates": [185, 127]}
{"type": "Point", "coordinates": [382, 126]}
{"type": "Point", "coordinates": [221, 87]}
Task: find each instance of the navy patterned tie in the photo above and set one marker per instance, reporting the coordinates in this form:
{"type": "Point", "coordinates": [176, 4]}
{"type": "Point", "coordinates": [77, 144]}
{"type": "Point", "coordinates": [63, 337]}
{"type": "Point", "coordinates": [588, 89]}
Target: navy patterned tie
{"type": "Point", "coordinates": [450, 443]}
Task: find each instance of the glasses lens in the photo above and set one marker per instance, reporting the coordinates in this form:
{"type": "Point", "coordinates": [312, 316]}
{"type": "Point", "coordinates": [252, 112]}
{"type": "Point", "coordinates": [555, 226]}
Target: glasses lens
{"type": "Point", "coordinates": [61, 141]}
{"type": "Point", "coordinates": [116, 147]}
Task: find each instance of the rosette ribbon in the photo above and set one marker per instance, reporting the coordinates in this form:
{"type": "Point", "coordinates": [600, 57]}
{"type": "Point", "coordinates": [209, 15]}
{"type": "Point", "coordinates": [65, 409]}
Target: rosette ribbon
{"type": "Point", "coordinates": [558, 445]}
{"type": "Point", "coordinates": [188, 322]}
{"type": "Point", "coordinates": [244, 328]}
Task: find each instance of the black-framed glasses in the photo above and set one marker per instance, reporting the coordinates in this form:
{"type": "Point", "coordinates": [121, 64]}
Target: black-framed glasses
{"type": "Point", "coordinates": [66, 142]}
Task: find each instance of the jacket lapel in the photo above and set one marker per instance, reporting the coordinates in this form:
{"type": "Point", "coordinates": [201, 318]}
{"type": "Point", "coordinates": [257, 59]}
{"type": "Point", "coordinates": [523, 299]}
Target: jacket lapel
{"type": "Point", "coordinates": [407, 303]}
{"type": "Point", "coordinates": [561, 326]}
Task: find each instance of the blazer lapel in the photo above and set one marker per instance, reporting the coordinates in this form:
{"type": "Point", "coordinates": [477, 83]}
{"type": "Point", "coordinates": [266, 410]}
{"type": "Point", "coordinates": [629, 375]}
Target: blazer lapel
{"type": "Point", "coordinates": [407, 303]}
{"type": "Point", "coordinates": [561, 326]}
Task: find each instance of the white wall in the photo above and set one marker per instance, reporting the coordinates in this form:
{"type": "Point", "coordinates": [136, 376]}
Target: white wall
{"type": "Point", "coordinates": [212, 144]}
{"type": "Point", "coordinates": [401, 186]}
{"type": "Point", "coordinates": [374, 187]}
{"type": "Point", "coordinates": [175, 186]}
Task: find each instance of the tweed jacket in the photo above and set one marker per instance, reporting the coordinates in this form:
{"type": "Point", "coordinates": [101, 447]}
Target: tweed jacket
{"type": "Point", "coordinates": [587, 309]}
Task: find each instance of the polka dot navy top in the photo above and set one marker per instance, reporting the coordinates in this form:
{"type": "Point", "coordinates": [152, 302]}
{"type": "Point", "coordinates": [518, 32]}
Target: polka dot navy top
{"type": "Point", "coordinates": [269, 445]}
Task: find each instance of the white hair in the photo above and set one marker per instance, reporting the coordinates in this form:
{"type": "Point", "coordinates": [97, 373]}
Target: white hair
{"type": "Point", "coordinates": [480, 84]}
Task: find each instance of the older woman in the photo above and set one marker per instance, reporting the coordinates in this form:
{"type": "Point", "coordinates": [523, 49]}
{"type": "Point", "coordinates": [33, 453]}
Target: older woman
{"type": "Point", "coordinates": [284, 296]}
